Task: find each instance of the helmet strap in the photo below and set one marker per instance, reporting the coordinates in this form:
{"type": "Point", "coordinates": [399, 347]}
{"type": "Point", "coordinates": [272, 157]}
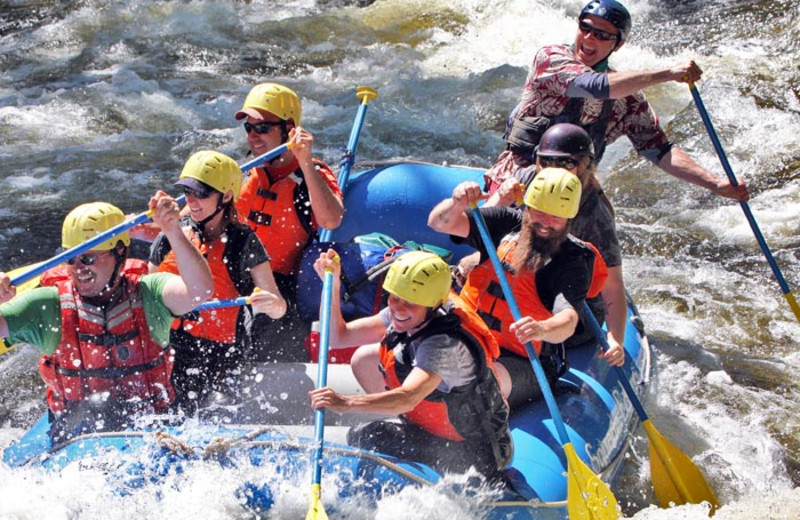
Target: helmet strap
{"type": "Point", "coordinates": [119, 261]}
{"type": "Point", "coordinates": [201, 225]}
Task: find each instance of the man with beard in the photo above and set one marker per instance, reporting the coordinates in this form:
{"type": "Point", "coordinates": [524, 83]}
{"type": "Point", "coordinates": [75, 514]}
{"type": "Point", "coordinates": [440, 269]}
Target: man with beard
{"type": "Point", "coordinates": [568, 146]}
{"type": "Point", "coordinates": [550, 272]}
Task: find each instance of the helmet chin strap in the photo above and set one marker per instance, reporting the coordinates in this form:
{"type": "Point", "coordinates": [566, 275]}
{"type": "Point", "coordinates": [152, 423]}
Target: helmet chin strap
{"type": "Point", "coordinates": [107, 292]}
{"type": "Point", "coordinates": [201, 225]}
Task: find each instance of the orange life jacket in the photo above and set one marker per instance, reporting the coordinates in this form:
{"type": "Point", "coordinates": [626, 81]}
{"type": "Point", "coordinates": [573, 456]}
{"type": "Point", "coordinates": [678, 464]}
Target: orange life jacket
{"type": "Point", "coordinates": [476, 411]}
{"type": "Point", "coordinates": [216, 324]}
{"type": "Point", "coordinates": [482, 292]}
{"type": "Point", "coordinates": [107, 350]}
{"type": "Point", "coordinates": [276, 205]}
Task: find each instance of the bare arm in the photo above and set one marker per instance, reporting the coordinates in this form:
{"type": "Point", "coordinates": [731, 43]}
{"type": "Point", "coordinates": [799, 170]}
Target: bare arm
{"type": "Point", "coordinates": [622, 84]}
{"type": "Point", "coordinates": [677, 163]}
{"type": "Point", "coordinates": [195, 284]}
{"type": "Point", "coordinates": [555, 329]}
{"type": "Point", "coordinates": [326, 205]}
{"type": "Point", "coordinates": [616, 315]}
{"type": "Point", "coordinates": [346, 334]}
{"type": "Point", "coordinates": [416, 387]}
{"type": "Point", "coordinates": [449, 216]}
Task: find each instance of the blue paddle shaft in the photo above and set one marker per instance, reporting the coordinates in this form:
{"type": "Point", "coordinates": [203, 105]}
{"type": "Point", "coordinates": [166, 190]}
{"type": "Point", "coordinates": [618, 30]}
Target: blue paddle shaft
{"type": "Point", "coordinates": [125, 226]}
{"type": "Point", "coordinates": [86, 246]}
{"type": "Point", "coordinates": [268, 156]}
{"type": "Point", "coordinates": [349, 156]}
{"type": "Point", "coordinates": [512, 305]}
{"type": "Point", "coordinates": [322, 372]}
{"type": "Point", "coordinates": [732, 178]}
{"type": "Point", "coordinates": [219, 304]}
{"type": "Point", "coordinates": [623, 378]}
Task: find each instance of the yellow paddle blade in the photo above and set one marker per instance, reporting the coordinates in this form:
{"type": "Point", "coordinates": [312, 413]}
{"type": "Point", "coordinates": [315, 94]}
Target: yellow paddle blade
{"type": "Point", "coordinates": [5, 346]}
{"type": "Point", "coordinates": [676, 479]}
{"type": "Point", "coordinates": [315, 510]}
{"type": "Point", "coordinates": [588, 497]}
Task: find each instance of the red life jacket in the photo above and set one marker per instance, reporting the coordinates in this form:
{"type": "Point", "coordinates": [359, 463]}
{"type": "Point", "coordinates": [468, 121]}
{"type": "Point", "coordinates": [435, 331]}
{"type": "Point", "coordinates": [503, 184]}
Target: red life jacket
{"type": "Point", "coordinates": [476, 411]}
{"type": "Point", "coordinates": [482, 292]}
{"type": "Point", "coordinates": [107, 350]}
{"type": "Point", "coordinates": [276, 205]}
{"type": "Point", "coordinates": [218, 325]}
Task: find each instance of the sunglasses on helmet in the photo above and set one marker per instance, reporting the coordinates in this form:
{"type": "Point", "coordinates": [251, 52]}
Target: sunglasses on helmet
{"type": "Point", "coordinates": [262, 127]}
{"type": "Point", "coordinates": [587, 28]}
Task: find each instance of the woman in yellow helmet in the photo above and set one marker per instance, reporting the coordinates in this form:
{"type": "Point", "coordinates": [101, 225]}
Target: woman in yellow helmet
{"type": "Point", "coordinates": [103, 330]}
{"type": "Point", "coordinates": [427, 360]}
{"type": "Point", "coordinates": [210, 345]}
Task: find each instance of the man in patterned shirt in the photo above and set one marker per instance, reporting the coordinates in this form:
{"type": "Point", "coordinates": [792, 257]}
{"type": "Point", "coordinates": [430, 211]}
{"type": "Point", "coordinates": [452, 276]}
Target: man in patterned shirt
{"type": "Point", "coordinates": [574, 84]}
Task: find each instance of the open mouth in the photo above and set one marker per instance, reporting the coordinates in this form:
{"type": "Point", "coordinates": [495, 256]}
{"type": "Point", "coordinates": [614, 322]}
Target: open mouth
{"type": "Point", "coordinates": [84, 277]}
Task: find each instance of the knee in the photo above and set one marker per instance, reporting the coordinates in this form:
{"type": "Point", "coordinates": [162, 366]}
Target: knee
{"type": "Point", "coordinates": [365, 364]}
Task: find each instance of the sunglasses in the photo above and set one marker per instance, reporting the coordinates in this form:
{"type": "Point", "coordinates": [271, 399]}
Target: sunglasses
{"type": "Point", "coordinates": [261, 128]}
{"type": "Point", "coordinates": [189, 192]}
{"type": "Point", "coordinates": [87, 259]}
{"type": "Point", "coordinates": [599, 34]}
{"type": "Point", "coordinates": [568, 163]}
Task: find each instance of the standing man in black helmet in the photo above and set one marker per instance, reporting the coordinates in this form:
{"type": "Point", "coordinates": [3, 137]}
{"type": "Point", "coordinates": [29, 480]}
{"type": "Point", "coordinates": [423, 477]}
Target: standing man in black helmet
{"type": "Point", "coordinates": [574, 84]}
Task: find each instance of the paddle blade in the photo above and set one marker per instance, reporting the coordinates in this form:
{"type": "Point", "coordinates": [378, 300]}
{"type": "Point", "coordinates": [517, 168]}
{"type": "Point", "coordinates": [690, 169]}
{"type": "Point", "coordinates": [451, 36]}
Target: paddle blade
{"type": "Point", "coordinates": [588, 497]}
{"type": "Point", "coordinates": [676, 479]}
{"type": "Point", "coordinates": [315, 509]}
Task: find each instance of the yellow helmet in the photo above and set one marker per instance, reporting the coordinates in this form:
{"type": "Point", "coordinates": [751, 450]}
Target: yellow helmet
{"type": "Point", "coordinates": [555, 191]}
{"type": "Point", "coordinates": [420, 278]}
{"type": "Point", "coordinates": [89, 220]}
{"type": "Point", "coordinates": [213, 169]}
{"type": "Point", "coordinates": [273, 98]}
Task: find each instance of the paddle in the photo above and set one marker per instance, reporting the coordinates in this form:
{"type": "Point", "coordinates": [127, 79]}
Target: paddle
{"type": "Point", "coordinates": [588, 497]}
{"type": "Point", "coordinates": [676, 479]}
{"type": "Point", "coordinates": [745, 206]}
{"type": "Point", "coordinates": [316, 511]}
{"type": "Point", "coordinates": [29, 272]}
{"type": "Point", "coordinates": [315, 508]}
{"type": "Point", "coordinates": [365, 94]}
{"type": "Point", "coordinates": [219, 304]}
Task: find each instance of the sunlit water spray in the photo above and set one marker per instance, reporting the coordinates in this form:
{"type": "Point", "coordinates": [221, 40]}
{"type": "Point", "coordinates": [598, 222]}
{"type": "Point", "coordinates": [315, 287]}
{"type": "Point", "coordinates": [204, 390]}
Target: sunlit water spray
{"type": "Point", "coordinates": [108, 101]}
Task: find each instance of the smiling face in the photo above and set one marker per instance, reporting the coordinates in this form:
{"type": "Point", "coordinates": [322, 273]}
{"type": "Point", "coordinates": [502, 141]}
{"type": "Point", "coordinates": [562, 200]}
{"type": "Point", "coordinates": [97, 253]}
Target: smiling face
{"type": "Point", "coordinates": [91, 272]}
{"type": "Point", "coordinates": [271, 136]}
{"type": "Point", "coordinates": [545, 225]}
{"type": "Point", "coordinates": [592, 43]}
{"type": "Point", "coordinates": [406, 316]}
{"type": "Point", "coordinates": [202, 206]}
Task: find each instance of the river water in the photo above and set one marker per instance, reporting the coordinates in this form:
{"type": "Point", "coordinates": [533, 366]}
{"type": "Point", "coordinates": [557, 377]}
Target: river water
{"type": "Point", "coordinates": [104, 100]}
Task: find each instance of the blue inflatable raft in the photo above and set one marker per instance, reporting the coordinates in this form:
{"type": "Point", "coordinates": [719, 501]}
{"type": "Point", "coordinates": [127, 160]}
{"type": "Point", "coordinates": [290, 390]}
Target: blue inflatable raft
{"type": "Point", "coordinates": [269, 424]}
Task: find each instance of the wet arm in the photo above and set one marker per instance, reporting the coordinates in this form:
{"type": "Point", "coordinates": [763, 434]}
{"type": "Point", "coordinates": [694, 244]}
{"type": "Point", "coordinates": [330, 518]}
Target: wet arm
{"type": "Point", "coordinates": [416, 387]}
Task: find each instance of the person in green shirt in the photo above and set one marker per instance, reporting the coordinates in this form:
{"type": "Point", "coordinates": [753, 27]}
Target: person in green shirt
{"type": "Point", "coordinates": [103, 329]}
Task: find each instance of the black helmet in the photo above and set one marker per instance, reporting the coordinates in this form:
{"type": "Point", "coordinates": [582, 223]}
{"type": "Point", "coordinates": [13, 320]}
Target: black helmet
{"type": "Point", "coordinates": [564, 140]}
{"type": "Point", "coordinates": [612, 11]}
